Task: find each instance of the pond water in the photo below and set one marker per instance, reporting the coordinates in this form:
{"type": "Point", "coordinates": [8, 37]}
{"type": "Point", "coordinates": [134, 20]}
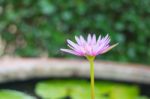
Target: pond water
{"type": "Point", "coordinates": [77, 88]}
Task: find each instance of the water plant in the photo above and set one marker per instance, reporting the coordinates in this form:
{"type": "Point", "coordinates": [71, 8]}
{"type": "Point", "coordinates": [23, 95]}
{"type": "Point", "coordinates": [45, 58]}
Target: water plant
{"type": "Point", "coordinates": [90, 48]}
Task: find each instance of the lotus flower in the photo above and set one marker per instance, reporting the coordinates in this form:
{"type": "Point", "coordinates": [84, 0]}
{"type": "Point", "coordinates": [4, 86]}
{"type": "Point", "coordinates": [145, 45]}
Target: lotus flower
{"type": "Point", "coordinates": [89, 47]}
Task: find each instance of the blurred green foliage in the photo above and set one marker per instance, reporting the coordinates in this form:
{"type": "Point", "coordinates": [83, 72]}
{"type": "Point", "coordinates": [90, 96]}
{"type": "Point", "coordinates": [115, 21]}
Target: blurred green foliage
{"type": "Point", "coordinates": [33, 28]}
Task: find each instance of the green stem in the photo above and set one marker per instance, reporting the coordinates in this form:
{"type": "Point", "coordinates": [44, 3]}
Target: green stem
{"type": "Point", "coordinates": [91, 60]}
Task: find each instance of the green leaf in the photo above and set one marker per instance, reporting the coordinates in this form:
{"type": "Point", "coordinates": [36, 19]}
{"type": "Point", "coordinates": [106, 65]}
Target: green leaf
{"type": "Point", "coordinates": [124, 92]}
{"type": "Point", "coordinates": [12, 94]}
{"type": "Point", "coordinates": [142, 97]}
{"type": "Point", "coordinates": [50, 89]}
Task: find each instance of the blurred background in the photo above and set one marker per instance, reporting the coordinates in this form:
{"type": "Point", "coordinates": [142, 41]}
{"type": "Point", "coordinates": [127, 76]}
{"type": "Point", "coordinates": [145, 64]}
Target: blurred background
{"type": "Point", "coordinates": [39, 28]}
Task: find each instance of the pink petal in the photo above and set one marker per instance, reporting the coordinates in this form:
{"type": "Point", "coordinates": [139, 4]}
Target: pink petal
{"type": "Point", "coordinates": [109, 48]}
{"type": "Point", "coordinates": [88, 49]}
{"type": "Point", "coordinates": [74, 45]}
{"type": "Point", "coordinates": [89, 38]}
{"type": "Point", "coordinates": [99, 38]}
{"type": "Point", "coordinates": [101, 46]}
{"type": "Point", "coordinates": [93, 39]}
{"type": "Point", "coordinates": [78, 40]}
{"type": "Point", "coordinates": [71, 47]}
{"type": "Point", "coordinates": [107, 39]}
{"type": "Point", "coordinates": [95, 49]}
{"type": "Point", "coordinates": [83, 42]}
{"type": "Point", "coordinates": [70, 51]}
{"type": "Point", "coordinates": [104, 40]}
{"type": "Point", "coordinates": [77, 50]}
{"type": "Point", "coordinates": [82, 49]}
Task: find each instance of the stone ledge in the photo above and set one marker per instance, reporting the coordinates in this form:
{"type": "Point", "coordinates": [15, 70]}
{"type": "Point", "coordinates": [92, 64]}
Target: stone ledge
{"type": "Point", "coordinates": [27, 68]}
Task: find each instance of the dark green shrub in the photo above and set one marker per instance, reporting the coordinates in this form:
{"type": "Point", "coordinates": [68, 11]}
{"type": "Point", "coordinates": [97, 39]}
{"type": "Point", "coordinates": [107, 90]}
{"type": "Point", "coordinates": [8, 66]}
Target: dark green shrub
{"type": "Point", "coordinates": [40, 27]}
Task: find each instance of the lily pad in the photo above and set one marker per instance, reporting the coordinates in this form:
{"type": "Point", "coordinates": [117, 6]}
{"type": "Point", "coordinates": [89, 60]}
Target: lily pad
{"type": "Point", "coordinates": [12, 94]}
{"type": "Point", "coordinates": [142, 97]}
{"type": "Point", "coordinates": [80, 89]}
{"type": "Point", "coordinates": [124, 92]}
{"type": "Point", "coordinates": [60, 88]}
